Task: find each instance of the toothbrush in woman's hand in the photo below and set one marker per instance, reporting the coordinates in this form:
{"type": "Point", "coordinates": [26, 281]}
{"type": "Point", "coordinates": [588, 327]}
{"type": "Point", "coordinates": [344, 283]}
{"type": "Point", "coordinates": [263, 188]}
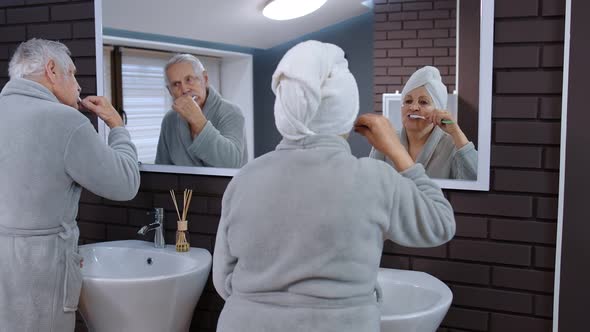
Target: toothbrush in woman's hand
{"type": "Point", "coordinates": [416, 116]}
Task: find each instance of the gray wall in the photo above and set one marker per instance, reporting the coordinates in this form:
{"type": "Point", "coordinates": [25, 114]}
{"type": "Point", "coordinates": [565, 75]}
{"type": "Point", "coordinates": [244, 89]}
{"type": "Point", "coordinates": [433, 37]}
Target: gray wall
{"type": "Point", "coordinates": [355, 37]}
{"type": "Point", "coordinates": [575, 254]}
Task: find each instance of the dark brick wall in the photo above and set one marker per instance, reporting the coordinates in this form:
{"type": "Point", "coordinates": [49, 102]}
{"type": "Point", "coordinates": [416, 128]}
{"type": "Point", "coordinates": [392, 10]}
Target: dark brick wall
{"type": "Point", "coordinates": [409, 35]}
{"type": "Point", "coordinates": [500, 266]}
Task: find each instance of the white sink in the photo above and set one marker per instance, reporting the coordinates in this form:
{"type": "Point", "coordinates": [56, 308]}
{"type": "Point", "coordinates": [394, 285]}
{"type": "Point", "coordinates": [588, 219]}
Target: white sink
{"type": "Point", "coordinates": [133, 286]}
{"type": "Point", "coordinates": [412, 301]}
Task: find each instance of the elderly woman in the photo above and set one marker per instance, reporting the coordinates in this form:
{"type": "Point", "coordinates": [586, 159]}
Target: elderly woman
{"type": "Point", "coordinates": [302, 227]}
{"type": "Point", "coordinates": [49, 152]}
{"type": "Point", "coordinates": [430, 134]}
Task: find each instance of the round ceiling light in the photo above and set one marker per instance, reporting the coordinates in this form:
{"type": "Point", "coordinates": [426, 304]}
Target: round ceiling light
{"type": "Point", "coordinates": [289, 9]}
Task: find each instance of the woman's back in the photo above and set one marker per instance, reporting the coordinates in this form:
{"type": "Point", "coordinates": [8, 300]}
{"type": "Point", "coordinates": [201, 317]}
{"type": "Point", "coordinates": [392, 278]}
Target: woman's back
{"type": "Point", "coordinates": [308, 222]}
{"type": "Point", "coordinates": [304, 226]}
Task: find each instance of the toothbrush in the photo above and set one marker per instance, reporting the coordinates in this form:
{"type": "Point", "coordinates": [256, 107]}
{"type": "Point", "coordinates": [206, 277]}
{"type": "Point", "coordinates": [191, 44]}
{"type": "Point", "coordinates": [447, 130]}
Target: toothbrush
{"type": "Point", "coordinates": [416, 116]}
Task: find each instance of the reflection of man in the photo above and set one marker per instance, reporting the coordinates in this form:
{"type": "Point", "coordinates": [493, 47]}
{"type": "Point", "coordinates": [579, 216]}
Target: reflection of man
{"type": "Point", "coordinates": [49, 152]}
{"type": "Point", "coordinates": [202, 129]}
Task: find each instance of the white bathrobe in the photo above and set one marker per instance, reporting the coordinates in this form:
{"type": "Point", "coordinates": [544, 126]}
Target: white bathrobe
{"type": "Point", "coordinates": [49, 150]}
{"type": "Point", "coordinates": [301, 236]}
{"type": "Point", "coordinates": [440, 158]}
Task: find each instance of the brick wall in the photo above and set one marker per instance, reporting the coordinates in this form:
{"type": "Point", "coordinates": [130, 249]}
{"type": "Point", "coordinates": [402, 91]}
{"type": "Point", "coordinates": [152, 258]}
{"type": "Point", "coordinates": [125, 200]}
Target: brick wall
{"type": "Point", "coordinates": [409, 35]}
{"type": "Point", "coordinates": [500, 266]}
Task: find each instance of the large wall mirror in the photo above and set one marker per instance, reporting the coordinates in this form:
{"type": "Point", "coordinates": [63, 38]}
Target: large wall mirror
{"type": "Point", "coordinates": [463, 55]}
{"type": "Point", "coordinates": [240, 49]}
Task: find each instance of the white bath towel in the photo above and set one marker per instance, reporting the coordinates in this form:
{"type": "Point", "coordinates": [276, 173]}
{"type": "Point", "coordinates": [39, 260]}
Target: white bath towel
{"type": "Point", "coordinates": [315, 91]}
{"type": "Point", "coordinates": [429, 77]}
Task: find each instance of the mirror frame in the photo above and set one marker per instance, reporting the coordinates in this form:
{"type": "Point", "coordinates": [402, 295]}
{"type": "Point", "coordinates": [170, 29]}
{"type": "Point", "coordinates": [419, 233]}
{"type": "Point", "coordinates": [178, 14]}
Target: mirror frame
{"type": "Point", "coordinates": [485, 105]}
{"type": "Point", "coordinates": [486, 54]}
{"type": "Point", "coordinates": [103, 129]}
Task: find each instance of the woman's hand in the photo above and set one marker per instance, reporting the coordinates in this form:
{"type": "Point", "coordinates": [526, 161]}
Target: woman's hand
{"type": "Point", "coordinates": [444, 120]}
{"type": "Point", "coordinates": [381, 135]}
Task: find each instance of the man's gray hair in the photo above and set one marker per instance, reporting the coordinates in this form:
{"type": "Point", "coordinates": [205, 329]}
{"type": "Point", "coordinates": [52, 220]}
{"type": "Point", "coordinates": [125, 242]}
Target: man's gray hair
{"type": "Point", "coordinates": [30, 58]}
{"type": "Point", "coordinates": [185, 58]}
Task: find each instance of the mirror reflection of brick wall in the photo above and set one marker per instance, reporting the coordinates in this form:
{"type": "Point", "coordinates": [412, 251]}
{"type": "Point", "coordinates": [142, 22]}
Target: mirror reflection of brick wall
{"type": "Point", "coordinates": [409, 35]}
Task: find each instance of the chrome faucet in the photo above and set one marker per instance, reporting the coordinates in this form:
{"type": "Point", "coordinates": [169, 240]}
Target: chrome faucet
{"type": "Point", "coordinates": [157, 226]}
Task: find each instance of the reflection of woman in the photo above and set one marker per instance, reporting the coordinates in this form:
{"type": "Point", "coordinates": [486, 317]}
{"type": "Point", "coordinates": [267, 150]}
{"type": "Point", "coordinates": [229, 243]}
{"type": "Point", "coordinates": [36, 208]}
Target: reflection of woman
{"type": "Point", "coordinates": [302, 227]}
{"type": "Point", "coordinates": [427, 134]}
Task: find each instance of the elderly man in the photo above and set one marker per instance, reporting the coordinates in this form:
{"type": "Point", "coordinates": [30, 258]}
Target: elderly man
{"type": "Point", "coordinates": [49, 152]}
{"type": "Point", "coordinates": [202, 129]}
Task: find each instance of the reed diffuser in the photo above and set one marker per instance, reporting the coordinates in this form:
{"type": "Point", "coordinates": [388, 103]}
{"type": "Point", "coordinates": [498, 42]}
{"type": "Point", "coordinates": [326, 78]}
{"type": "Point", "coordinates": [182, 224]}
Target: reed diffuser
{"type": "Point", "coordinates": [182, 236]}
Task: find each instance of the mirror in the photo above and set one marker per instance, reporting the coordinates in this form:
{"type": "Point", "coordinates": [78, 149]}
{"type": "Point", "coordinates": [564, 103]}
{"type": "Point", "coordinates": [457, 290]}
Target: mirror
{"type": "Point", "coordinates": [240, 56]}
{"type": "Point", "coordinates": [244, 52]}
{"type": "Point", "coordinates": [467, 73]}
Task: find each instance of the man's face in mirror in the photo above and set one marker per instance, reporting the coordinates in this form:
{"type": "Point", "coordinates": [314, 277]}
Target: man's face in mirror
{"type": "Point", "coordinates": [184, 81]}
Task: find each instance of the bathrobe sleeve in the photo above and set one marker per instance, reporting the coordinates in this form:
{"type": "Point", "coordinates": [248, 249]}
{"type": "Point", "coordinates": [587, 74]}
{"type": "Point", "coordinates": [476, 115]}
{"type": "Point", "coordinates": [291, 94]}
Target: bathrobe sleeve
{"type": "Point", "coordinates": [108, 171]}
{"type": "Point", "coordinates": [221, 145]}
{"type": "Point", "coordinates": [223, 261]}
{"type": "Point", "coordinates": [420, 216]}
{"type": "Point", "coordinates": [464, 164]}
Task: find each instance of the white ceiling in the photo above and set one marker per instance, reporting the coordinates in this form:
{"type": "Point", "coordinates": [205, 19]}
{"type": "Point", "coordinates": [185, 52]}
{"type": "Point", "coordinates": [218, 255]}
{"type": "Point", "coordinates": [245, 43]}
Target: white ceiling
{"type": "Point", "coordinates": [235, 22]}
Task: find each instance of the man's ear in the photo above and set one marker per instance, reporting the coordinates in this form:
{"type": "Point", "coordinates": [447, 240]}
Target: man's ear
{"type": "Point", "coordinates": [205, 78]}
{"type": "Point", "coordinates": [50, 71]}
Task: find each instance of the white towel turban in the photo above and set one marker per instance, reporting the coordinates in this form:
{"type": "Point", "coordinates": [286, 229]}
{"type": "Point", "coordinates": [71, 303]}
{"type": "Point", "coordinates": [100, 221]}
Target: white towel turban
{"type": "Point", "coordinates": [429, 77]}
{"type": "Point", "coordinates": [315, 92]}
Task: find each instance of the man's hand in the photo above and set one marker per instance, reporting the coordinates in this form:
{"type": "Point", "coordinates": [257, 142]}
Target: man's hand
{"type": "Point", "coordinates": [104, 110]}
{"type": "Point", "coordinates": [381, 135]}
{"type": "Point", "coordinates": [189, 109]}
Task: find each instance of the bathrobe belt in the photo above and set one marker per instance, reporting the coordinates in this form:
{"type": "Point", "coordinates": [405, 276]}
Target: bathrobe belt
{"type": "Point", "coordinates": [64, 231]}
{"type": "Point", "coordinates": [69, 233]}
{"type": "Point", "coordinates": [306, 301]}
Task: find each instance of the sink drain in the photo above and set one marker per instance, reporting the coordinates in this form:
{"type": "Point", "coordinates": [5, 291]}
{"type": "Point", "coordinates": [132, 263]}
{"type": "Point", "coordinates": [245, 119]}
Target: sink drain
{"type": "Point", "coordinates": [149, 261]}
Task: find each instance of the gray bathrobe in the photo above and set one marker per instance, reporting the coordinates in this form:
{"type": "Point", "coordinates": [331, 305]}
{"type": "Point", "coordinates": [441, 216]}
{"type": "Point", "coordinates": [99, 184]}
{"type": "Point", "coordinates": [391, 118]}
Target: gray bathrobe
{"type": "Point", "coordinates": [301, 235]}
{"type": "Point", "coordinates": [49, 151]}
{"type": "Point", "coordinates": [440, 158]}
{"type": "Point", "coordinates": [221, 143]}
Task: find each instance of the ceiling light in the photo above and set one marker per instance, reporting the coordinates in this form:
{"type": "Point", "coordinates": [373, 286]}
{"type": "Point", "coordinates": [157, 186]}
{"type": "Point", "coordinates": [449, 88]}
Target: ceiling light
{"type": "Point", "coordinates": [290, 9]}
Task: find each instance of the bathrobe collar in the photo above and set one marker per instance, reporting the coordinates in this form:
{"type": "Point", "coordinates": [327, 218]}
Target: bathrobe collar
{"type": "Point", "coordinates": [429, 147]}
{"type": "Point", "coordinates": [21, 86]}
{"type": "Point", "coordinates": [315, 142]}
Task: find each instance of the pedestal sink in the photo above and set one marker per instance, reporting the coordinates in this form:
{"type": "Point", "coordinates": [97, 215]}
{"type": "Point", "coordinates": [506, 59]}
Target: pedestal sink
{"type": "Point", "coordinates": [413, 301]}
{"type": "Point", "coordinates": [132, 286]}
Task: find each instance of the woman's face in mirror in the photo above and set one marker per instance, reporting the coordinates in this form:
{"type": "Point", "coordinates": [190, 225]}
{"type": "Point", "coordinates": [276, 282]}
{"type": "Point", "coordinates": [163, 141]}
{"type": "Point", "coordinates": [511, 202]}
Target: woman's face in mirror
{"type": "Point", "coordinates": [417, 107]}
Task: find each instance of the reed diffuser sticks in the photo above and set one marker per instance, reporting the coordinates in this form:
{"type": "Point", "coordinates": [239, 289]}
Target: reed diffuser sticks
{"type": "Point", "coordinates": [182, 243]}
